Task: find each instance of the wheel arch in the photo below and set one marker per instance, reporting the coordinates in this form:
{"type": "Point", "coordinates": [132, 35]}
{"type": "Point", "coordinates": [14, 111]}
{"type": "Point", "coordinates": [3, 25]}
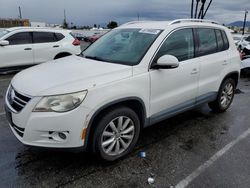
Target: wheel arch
{"type": "Point", "coordinates": [234, 75]}
{"type": "Point", "coordinates": [135, 103]}
{"type": "Point", "coordinates": [62, 54]}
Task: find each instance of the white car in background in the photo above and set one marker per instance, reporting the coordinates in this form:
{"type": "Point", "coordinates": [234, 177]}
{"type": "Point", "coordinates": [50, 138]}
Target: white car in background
{"type": "Point", "coordinates": [244, 42]}
{"type": "Point", "coordinates": [25, 46]}
{"type": "Point", "coordinates": [237, 38]}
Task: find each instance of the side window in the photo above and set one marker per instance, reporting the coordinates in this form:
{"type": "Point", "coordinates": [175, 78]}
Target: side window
{"type": "Point", "coordinates": [20, 38]}
{"type": "Point", "coordinates": [43, 37]}
{"type": "Point", "coordinates": [220, 43]}
{"type": "Point", "coordinates": [59, 36]}
{"type": "Point", "coordinates": [207, 41]}
{"type": "Point", "coordinates": [247, 39]}
{"type": "Point", "coordinates": [226, 43]}
{"type": "Point", "coordinates": [179, 44]}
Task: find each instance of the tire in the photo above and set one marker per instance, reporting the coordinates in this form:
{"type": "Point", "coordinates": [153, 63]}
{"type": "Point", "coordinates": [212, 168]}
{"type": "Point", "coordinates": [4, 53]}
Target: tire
{"type": "Point", "coordinates": [225, 96]}
{"type": "Point", "coordinates": [108, 141]}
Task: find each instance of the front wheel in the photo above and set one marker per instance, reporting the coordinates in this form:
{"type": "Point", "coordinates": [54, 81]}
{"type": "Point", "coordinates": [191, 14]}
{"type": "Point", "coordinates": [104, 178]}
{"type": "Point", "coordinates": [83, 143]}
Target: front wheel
{"type": "Point", "coordinates": [225, 96]}
{"type": "Point", "coordinates": [116, 133]}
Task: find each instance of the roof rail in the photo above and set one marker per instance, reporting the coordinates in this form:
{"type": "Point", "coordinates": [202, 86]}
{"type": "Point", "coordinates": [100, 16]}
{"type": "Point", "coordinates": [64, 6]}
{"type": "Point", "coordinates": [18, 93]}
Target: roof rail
{"type": "Point", "coordinates": [135, 22]}
{"type": "Point", "coordinates": [192, 20]}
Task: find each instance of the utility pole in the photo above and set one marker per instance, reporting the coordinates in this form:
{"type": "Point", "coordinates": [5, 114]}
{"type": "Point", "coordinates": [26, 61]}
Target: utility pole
{"type": "Point", "coordinates": [20, 12]}
{"type": "Point", "coordinates": [196, 8]}
{"type": "Point", "coordinates": [64, 15]}
{"type": "Point", "coordinates": [207, 9]}
{"type": "Point", "coordinates": [192, 9]}
{"type": "Point", "coordinates": [244, 24]}
{"type": "Point", "coordinates": [202, 9]}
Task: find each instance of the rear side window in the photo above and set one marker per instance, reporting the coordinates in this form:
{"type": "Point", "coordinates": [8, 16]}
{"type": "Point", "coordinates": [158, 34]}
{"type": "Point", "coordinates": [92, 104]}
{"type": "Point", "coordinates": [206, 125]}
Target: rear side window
{"type": "Point", "coordinates": [59, 36]}
{"type": "Point", "coordinates": [207, 41]}
{"type": "Point", "coordinates": [225, 39]}
{"type": "Point", "coordinates": [44, 37]}
{"type": "Point", "coordinates": [179, 44]}
{"type": "Point", "coordinates": [220, 43]}
{"type": "Point", "coordinates": [20, 38]}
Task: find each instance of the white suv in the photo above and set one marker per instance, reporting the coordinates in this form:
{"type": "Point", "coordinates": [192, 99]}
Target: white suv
{"type": "Point", "coordinates": [134, 76]}
{"type": "Point", "coordinates": [25, 46]}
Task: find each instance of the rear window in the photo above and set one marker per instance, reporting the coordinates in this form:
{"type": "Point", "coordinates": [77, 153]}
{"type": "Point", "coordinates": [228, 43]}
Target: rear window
{"type": "Point", "coordinates": [44, 37]}
{"type": "Point", "coordinates": [225, 39]}
{"type": "Point", "coordinates": [220, 43]}
{"type": "Point", "coordinates": [207, 41]}
{"type": "Point", "coordinates": [59, 36]}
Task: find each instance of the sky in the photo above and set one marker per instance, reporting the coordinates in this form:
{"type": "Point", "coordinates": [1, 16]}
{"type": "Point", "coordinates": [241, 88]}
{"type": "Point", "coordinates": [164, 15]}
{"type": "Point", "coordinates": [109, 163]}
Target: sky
{"type": "Point", "coordinates": [100, 12]}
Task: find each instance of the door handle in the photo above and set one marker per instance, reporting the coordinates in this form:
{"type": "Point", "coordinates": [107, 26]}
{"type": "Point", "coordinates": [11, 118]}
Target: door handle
{"type": "Point", "coordinates": [194, 71]}
{"type": "Point", "coordinates": [56, 46]}
{"type": "Point", "coordinates": [27, 48]}
{"type": "Point", "coordinates": [225, 62]}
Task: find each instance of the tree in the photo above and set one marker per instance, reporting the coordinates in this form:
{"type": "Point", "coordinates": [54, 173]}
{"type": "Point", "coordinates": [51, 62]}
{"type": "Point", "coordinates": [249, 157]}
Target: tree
{"type": "Point", "coordinates": [112, 25]}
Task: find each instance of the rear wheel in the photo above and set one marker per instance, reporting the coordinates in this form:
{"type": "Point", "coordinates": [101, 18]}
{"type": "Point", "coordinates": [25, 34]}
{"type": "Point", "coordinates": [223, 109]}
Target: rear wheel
{"type": "Point", "coordinates": [225, 96]}
{"type": "Point", "coordinates": [116, 133]}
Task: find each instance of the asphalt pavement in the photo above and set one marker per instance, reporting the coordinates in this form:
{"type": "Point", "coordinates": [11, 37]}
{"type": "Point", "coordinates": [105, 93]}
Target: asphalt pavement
{"type": "Point", "coordinates": [194, 149]}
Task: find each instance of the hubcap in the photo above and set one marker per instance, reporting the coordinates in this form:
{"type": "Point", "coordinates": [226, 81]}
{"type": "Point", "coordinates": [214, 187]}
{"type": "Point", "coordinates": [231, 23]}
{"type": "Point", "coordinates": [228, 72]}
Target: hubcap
{"type": "Point", "coordinates": [227, 95]}
{"type": "Point", "coordinates": [117, 135]}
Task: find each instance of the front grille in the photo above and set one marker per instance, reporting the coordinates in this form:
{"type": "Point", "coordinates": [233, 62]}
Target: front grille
{"type": "Point", "coordinates": [16, 100]}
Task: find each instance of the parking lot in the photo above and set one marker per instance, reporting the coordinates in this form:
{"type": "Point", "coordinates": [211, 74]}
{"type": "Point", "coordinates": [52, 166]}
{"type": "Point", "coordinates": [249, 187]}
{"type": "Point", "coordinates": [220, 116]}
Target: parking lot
{"type": "Point", "coordinates": [194, 149]}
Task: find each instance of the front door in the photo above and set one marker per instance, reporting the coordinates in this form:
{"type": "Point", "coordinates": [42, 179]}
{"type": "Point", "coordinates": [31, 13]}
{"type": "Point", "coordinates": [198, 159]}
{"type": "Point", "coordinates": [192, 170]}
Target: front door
{"type": "Point", "coordinates": [175, 90]}
{"type": "Point", "coordinates": [19, 52]}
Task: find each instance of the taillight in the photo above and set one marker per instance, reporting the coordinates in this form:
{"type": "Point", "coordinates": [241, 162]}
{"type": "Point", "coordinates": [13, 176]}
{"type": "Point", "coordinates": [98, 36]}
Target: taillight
{"type": "Point", "coordinates": [76, 42]}
{"type": "Point", "coordinates": [241, 56]}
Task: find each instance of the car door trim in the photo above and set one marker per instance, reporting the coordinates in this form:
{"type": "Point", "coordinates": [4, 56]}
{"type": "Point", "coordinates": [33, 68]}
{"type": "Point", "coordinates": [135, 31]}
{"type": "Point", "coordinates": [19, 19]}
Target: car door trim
{"type": "Point", "coordinates": [185, 106]}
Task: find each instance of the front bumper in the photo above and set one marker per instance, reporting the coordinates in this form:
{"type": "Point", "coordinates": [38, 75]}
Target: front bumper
{"type": "Point", "coordinates": [41, 128]}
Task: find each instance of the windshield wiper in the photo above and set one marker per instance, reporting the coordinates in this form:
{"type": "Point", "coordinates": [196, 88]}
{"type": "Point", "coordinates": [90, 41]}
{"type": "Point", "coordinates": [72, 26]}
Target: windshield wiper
{"type": "Point", "coordinates": [94, 58]}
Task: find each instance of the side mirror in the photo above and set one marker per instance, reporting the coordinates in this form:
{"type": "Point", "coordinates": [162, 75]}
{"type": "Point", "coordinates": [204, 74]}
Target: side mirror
{"type": "Point", "coordinates": [4, 43]}
{"type": "Point", "coordinates": [166, 62]}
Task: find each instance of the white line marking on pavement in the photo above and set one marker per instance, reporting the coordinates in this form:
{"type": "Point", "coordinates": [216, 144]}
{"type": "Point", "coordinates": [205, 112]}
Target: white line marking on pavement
{"type": "Point", "coordinates": [185, 182]}
{"type": "Point", "coordinates": [2, 113]}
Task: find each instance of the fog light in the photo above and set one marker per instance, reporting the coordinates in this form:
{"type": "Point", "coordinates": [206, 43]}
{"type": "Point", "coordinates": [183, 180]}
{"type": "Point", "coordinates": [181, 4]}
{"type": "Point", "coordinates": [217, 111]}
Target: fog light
{"type": "Point", "coordinates": [62, 135]}
{"type": "Point", "coordinates": [59, 136]}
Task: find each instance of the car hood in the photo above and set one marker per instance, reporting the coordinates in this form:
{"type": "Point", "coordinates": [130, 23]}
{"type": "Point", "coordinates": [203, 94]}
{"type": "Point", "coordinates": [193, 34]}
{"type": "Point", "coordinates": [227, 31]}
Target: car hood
{"type": "Point", "coordinates": [67, 75]}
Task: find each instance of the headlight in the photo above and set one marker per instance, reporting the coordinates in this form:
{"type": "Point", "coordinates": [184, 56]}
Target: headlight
{"type": "Point", "coordinates": [60, 103]}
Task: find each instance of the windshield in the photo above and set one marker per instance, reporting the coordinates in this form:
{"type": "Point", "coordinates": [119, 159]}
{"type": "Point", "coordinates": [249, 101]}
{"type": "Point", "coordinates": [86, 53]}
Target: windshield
{"type": "Point", "coordinates": [122, 46]}
{"type": "Point", "coordinates": [3, 32]}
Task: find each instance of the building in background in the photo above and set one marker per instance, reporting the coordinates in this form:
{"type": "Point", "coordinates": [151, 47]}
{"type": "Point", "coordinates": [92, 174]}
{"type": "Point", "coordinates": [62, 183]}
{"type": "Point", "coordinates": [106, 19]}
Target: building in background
{"type": "Point", "coordinates": [9, 22]}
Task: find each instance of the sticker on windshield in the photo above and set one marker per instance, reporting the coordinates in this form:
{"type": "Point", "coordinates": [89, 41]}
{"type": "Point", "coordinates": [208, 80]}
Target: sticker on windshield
{"type": "Point", "coordinates": [150, 31]}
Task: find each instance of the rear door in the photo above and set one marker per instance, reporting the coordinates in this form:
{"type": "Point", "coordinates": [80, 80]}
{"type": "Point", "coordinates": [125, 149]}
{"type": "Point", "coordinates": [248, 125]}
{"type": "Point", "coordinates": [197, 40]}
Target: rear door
{"type": "Point", "coordinates": [19, 52]}
{"type": "Point", "coordinates": [213, 54]}
{"type": "Point", "coordinates": [46, 46]}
